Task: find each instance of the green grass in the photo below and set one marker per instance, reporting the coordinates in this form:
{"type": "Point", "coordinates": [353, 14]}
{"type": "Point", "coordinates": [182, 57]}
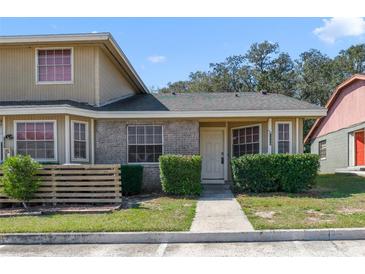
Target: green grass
{"type": "Point", "coordinates": [336, 201]}
{"type": "Point", "coordinates": [157, 214]}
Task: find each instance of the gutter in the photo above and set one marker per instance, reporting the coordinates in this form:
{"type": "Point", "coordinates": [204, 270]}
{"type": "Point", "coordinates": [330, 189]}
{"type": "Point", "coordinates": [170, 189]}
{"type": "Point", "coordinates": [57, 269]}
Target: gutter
{"type": "Point", "coordinates": [66, 109]}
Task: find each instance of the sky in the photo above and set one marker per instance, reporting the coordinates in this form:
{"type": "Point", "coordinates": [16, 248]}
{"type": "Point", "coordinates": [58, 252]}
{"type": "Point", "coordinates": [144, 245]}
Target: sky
{"type": "Point", "coordinates": [165, 50]}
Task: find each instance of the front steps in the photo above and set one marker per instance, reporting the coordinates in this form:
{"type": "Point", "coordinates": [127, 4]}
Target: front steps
{"type": "Point", "coordinates": [357, 170]}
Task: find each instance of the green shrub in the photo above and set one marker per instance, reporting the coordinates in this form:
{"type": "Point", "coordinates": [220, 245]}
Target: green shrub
{"type": "Point", "coordinates": [274, 172]}
{"type": "Point", "coordinates": [181, 175]}
{"type": "Point", "coordinates": [132, 178]}
{"type": "Point", "coordinates": [19, 178]}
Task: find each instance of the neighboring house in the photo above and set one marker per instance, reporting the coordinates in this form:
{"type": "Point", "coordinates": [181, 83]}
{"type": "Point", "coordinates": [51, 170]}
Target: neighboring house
{"type": "Point", "coordinates": [77, 99]}
{"type": "Point", "coordinates": [339, 137]}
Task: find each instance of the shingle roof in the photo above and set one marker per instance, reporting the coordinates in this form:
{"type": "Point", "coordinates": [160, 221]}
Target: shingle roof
{"type": "Point", "coordinates": [191, 102]}
{"type": "Point", "coordinates": [210, 102]}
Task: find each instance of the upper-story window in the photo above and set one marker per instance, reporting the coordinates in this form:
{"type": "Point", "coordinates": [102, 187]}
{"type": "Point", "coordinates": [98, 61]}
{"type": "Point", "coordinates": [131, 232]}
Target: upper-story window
{"type": "Point", "coordinates": [54, 66]}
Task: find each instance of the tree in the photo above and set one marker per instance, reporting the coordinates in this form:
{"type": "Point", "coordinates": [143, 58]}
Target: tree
{"type": "Point", "coordinates": [180, 86]}
{"type": "Point", "coordinates": [263, 66]}
{"type": "Point", "coordinates": [316, 77]}
{"type": "Point", "coordinates": [350, 61]}
{"type": "Point", "coordinates": [19, 178]}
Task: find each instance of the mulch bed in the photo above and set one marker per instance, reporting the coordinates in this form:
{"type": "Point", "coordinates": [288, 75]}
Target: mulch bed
{"type": "Point", "coordinates": [127, 202]}
{"type": "Point", "coordinates": [43, 210]}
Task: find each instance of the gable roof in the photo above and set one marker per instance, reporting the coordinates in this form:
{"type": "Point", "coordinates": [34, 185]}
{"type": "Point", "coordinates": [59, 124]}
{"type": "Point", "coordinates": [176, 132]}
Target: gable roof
{"type": "Point", "coordinates": [332, 100]}
{"type": "Point", "coordinates": [223, 104]}
{"type": "Point", "coordinates": [105, 39]}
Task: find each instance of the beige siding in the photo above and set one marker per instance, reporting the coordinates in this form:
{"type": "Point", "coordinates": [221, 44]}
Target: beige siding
{"type": "Point", "coordinates": [18, 80]}
{"type": "Point", "coordinates": [60, 120]}
{"type": "Point", "coordinates": [113, 82]}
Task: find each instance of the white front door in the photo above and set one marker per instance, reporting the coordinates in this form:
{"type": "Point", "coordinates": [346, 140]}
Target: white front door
{"type": "Point", "coordinates": [212, 152]}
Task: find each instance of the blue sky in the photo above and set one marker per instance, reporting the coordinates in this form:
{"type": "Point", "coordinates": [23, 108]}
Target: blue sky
{"type": "Point", "coordinates": [164, 50]}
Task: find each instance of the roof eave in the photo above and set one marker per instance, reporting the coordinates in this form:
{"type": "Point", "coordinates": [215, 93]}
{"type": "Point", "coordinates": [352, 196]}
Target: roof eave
{"type": "Point", "coordinates": [330, 102]}
{"type": "Point", "coordinates": [66, 109]}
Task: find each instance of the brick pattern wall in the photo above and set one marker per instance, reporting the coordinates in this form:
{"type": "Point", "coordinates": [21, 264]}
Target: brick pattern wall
{"type": "Point", "coordinates": [179, 137]}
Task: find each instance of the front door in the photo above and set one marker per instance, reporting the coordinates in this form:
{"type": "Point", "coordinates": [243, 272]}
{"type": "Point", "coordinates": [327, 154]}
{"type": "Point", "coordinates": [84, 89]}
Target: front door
{"type": "Point", "coordinates": [359, 148]}
{"type": "Point", "coordinates": [212, 152]}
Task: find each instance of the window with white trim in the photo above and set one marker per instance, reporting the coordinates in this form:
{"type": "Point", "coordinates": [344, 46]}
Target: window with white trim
{"type": "Point", "coordinates": [145, 143]}
{"type": "Point", "coordinates": [36, 139]}
{"type": "Point", "coordinates": [80, 139]}
{"type": "Point", "coordinates": [246, 140]}
{"type": "Point", "coordinates": [54, 65]}
{"type": "Point", "coordinates": [322, 149]}
{"type": "Point", "coordinates": [283, 137]}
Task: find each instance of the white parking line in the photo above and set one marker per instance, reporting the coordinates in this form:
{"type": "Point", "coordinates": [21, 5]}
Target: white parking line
{"type": "Point", "coordinates": [161, 250]}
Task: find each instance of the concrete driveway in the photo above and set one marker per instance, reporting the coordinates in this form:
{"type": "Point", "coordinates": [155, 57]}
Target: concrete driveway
{"type": "Point", "coordinates": [274, 249]}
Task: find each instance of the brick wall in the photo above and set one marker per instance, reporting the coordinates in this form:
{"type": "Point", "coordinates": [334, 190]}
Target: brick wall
{"type": "Point", "coordinates": [180, 137]}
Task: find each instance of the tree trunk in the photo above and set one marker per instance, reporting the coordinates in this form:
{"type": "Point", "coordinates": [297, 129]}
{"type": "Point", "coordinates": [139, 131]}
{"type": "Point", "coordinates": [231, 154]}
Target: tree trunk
{"type": "Point", "coordinates": [25, 205]}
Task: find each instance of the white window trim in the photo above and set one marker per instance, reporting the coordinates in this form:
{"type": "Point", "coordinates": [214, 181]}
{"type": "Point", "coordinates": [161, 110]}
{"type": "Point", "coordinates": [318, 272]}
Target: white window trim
{"type": "Point", "coordinates": [73, 159]}
{"type": "Point", "coordinates": [319, 149]}
{"type": "Point", "coordinates": [54, 82]}
{"type": "Point", "coordinates": [260, 136]}
{"type": "Point", "coordinates": [162, 143]}
{"type": "Point", "coordinates": [290, 135]}
{"type": "Point", "coordinates": [55, 159]}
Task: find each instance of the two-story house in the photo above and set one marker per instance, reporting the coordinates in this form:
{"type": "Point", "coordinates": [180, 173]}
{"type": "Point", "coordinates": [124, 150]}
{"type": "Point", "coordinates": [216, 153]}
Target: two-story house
{"type": "Point", "coordinates": [77, 99]}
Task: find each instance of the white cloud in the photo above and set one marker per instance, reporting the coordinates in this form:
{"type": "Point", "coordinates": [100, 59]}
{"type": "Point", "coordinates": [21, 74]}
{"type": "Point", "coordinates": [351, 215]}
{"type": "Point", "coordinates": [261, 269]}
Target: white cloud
{"type": "Point", "coordinates": [338, 27]}
{"type": "Point", "coordinates": [94, 31]}
{"type": "Point", "coordinates": [156, 58]}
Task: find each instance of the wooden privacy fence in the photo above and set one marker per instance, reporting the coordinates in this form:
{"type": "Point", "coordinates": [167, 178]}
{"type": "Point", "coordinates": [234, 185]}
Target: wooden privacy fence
{"type": "Point", "coordinates": [74, 184]}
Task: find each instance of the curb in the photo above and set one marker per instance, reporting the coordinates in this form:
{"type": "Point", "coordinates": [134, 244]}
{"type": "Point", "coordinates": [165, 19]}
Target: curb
{"type": "Point", "coordinates": [184, 237]}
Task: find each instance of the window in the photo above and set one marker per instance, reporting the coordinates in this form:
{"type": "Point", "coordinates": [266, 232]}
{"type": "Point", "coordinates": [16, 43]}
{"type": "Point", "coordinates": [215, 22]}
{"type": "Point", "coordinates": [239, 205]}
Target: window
{"type": "Point", "coordinates": [36, 139]}
{"type": "Point", "coordinates": [80, 142]}
{"type": "Point", "coordinates": [283, 137]}
{"type": "Point", "coordinates": [246, 140]}
{"type": "Point", "coordinates": [54, 65]}
{"type": "Point", "coordinates": [322, 149]}
{"type": "Point", "coordinates": [144, 143]}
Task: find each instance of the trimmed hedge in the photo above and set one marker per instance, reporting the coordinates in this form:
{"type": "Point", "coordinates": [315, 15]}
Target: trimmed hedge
{"type": "Point", "coordinates": [180, 175]}
{"type": "Point", "coordinates": [132, 178]}
{"type": "Point", "coordinates": [274, 172]}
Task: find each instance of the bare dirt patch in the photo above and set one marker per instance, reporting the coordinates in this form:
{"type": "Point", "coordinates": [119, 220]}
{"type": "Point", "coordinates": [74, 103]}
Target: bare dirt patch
{"type": "Point", "coordinates": [351, 210]}
{"type": "Point", "coordinates": [315, 217]}
{"type": "Point", "coordinates": [265, 214]}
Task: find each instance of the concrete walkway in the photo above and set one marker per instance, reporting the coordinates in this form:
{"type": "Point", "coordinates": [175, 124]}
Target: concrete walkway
{"type": "Point", "coordinates": [218, 211]}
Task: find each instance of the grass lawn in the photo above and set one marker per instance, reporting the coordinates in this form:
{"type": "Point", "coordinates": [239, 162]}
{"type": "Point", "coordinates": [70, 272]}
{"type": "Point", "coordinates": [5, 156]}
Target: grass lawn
{"type": "Point", "coordinates": [157, 214]}
{"type": "Point", "coordinates": [336, 201]}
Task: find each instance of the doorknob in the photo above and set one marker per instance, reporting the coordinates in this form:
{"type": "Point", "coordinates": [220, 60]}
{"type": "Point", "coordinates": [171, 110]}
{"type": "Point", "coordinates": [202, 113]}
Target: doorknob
{"type": "Point", "coordinates": [222, 158]}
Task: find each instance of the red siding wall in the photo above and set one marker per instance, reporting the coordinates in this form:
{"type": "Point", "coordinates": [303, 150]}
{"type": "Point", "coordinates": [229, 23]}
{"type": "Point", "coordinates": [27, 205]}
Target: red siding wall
{"type": "Point", "coordinates": [348, 109]}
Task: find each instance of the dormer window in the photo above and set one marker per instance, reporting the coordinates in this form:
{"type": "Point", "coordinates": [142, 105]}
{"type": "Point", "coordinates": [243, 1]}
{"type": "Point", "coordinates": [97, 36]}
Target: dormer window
{"type": "Point", "coordinates": [54, 66]}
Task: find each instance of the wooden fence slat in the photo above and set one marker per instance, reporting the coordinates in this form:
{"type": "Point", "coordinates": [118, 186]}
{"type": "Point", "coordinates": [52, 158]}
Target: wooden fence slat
{"type": "Point", "coordinates": [79, 183]}
{"type": "Point", "coordinates": [76, 184]}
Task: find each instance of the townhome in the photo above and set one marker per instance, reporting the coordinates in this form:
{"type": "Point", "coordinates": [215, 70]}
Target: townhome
{"type": "Point", "coordinates": [77, 99]}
